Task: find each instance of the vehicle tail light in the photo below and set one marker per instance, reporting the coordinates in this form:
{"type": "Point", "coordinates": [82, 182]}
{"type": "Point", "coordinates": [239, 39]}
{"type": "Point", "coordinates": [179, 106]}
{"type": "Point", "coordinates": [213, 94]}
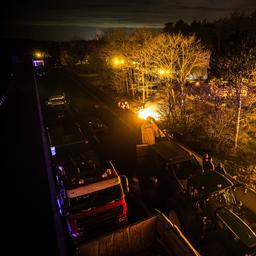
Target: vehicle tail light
{"type": "Point", "coordinates": [124, 208]}
{"type": "Point", "coordinates": [123, 217]}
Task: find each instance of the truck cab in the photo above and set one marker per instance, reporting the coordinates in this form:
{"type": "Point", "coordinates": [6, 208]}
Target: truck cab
{"type": "Point", "coordinates": [38, 66]}
{"type": "Point", "coordinates": [201, 203]}
{"type": "Point", "coordinates": [91, 194]}
{"type": "Point", "coordinates": [162, 170]}
{"type": "Point", "coordinates": [209, 199]}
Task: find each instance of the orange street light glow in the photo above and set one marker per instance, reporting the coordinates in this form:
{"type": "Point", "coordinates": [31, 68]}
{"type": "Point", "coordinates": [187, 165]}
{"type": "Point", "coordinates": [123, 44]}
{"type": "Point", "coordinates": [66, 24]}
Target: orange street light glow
{"type": "Point", "coordinates": [164, 72]}
{"type": "Point", "coordinates": [38, 54]}
{"type": "Point", "coordinates": [117, 61]}
{"type": "Point", "coordinates": [161, 71]}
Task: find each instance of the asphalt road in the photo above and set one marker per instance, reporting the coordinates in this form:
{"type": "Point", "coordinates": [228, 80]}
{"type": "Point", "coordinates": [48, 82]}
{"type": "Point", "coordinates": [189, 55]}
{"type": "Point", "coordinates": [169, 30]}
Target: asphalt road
{"type": "Point", "coordinates": [28, 221]}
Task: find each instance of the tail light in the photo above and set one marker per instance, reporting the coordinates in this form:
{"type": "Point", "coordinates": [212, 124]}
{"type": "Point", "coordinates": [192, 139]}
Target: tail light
{"type": "Point", "coordinates": [124, 207]}
{"type": "Point", "coordinates": [123, 218]}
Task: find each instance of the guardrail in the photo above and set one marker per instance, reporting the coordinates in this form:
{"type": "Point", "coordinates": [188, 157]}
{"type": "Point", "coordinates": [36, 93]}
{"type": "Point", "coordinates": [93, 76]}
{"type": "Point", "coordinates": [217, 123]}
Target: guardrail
{"type": "Point", "coordinates": [57, 218]}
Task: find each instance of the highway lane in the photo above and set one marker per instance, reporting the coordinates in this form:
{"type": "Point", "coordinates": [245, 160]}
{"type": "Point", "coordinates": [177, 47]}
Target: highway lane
{"type": "Point", "coordinates": [28, 211]}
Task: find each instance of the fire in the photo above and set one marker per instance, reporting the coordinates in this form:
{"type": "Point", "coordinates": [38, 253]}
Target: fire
{"type": "Point", "coordinates": [148, 112]}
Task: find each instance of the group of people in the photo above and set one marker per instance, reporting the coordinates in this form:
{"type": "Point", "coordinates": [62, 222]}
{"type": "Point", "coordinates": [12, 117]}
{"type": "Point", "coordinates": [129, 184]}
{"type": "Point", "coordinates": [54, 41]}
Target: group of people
{"type": "Point", "coordinates": [208, 165]}
{"type": "Point", "coordinates": [123, 104]}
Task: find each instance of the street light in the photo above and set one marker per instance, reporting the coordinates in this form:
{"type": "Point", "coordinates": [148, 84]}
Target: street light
{"type": "Point", "coordinates": [38, 63]}
{"type": "Point", "coordinates": [117, 61]}
{"type": "Point", "coordinates": [164, 72]}
{"type": "Point", "coordinates": [38, 55]}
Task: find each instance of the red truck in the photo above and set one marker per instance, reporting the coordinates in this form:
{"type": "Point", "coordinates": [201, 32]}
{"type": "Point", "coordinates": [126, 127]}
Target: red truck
{"type": "Point", "coordinates": [91, 195]}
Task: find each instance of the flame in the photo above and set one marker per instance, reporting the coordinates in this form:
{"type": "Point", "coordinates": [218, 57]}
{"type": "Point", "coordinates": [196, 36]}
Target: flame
{"type": "Point", "coordinates": [148, 112]}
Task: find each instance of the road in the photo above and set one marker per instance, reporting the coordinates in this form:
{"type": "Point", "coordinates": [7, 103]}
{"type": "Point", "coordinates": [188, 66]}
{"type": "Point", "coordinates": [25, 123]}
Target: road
{"type": "Point", "coordinates": [29, 227]}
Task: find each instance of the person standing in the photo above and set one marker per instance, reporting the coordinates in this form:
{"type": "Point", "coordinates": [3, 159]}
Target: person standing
{"type": "Point", "coordinates": [208, 163]}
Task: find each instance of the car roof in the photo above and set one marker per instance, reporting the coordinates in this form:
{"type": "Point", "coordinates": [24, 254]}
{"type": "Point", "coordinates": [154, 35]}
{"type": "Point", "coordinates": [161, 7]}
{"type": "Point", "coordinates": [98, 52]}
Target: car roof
{"type": "Point", "coordinates": [209, 182]}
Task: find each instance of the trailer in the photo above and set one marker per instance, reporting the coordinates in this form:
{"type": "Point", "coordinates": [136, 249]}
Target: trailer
{"type": "Point", "coordinates": [155, 235]}
{"type": "Point", "coordinates": [64, 133]}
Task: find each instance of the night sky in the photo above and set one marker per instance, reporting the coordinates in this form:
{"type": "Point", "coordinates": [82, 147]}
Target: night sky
{"type": "Point", "coordinates": [81, 19]}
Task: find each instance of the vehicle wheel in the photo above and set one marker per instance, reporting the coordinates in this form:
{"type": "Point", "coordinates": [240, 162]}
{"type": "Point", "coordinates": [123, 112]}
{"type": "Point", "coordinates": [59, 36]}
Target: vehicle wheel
{"type": "Point", "coordinates": [172, 216]}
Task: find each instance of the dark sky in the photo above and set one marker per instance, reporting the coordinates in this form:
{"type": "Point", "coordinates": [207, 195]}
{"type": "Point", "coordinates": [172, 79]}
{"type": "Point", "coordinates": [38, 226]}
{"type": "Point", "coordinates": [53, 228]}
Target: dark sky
{"type": "Point", "coordinates": [74, 19]}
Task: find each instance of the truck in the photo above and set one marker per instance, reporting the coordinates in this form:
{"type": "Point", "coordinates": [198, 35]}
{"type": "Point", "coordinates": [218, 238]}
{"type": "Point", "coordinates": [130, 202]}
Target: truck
{"type": "Point", "coordinates": [155, 235]}
{"type": "Point", "coordinates": [202, 204]}
{"type": "Point", "coordinates": [246, 198]}
{"type": "Point", "coordinates": [56, 108]}
{"type": "Point", "coordinates": [38, 67]}
{"type": "Point", "coordinates": [214, 214]}
{"type": "Point", "coordinates": [57, 100]}
{"type": "Point", "coordinates": [63, 131]}
{"type": "Point", "coordinates": [161, 170]}
{"type": "Point", "coordinates": [91, 194]}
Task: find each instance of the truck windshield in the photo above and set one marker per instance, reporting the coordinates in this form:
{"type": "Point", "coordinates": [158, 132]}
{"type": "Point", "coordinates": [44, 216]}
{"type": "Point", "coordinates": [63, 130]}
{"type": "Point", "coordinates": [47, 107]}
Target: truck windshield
{"type": "Point", "coordinates": [95, 199]}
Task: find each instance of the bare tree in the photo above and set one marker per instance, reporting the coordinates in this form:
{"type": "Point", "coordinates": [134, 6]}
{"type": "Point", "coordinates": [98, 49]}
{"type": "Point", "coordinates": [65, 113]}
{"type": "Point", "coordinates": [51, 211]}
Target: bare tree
{"type": "Point", "coordinates": [191, 58]}
{"type": "Point", "coordinates": [139, 53]}
{"type": "Point", "coordinates": [163, 58]}
{"type": "Point", "coordinates": [237, 65]}
{"type": "Point", "coordinates": [132, 48]}
{"type": "Point", "coordinates": [173, 58]}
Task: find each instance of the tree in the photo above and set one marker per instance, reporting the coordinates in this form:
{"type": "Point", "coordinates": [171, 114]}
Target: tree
{"type": "Point", "coordinates": [168, 59]}
{"type": "Point", "coordinates": [172, 59]}
{"type": "Point", "coordinates": [132, 47]}
{"type": "Point", "coordinates": [112, 49]}
{"type": "Point", "coordinates": [236, 64]}
{"type": "Point", "coordinates": [191, 57]}
{"type": "Point", "coordinates": [163, 59]}
{"type": "Point", "coordinates": [138, 53]}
